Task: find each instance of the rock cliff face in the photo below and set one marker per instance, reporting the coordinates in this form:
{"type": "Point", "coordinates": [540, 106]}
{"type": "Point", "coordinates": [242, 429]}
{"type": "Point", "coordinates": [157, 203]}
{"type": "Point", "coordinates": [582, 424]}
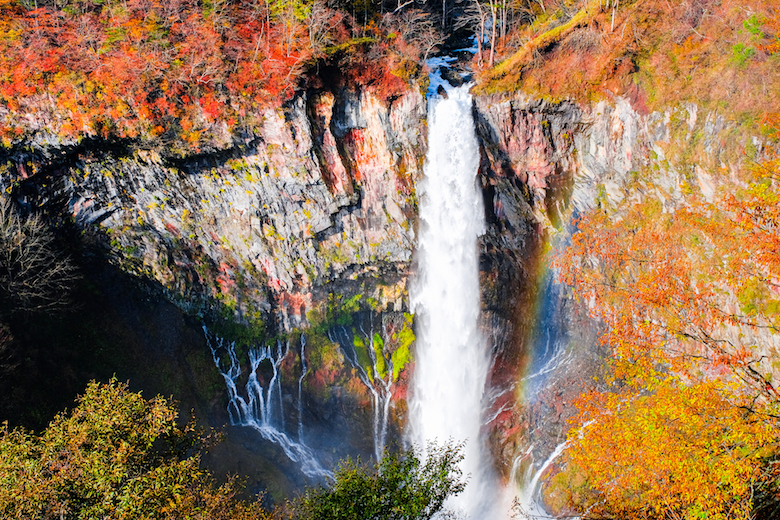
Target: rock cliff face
{"type": "Point", "coordinates": [321, 193]}
{"type": "Point", "coordinates": [528, 166]}
{"type": "Point", "coordinates": [316, 211]}
{"type": "Point", "coordinates": [543, 164]}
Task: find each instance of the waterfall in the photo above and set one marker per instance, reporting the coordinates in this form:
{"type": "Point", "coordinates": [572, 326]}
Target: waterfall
{"type": "Point", "coordinates": [551, 356]}
{"type": "Point", "coordinates": [379, 386]}
{"type": "Point", "coordinates": [304, 371]}
{"type": "Point", "coordinates": [262, 408]}
{"type": "Point", "coordinates": [452, 361]}
{"type": "Point", "coordinates": [527, 503]}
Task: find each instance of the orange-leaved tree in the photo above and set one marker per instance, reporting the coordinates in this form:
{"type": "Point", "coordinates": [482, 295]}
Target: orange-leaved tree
{"type": "Point", "coordinates": [686, 424]}
{"type": "Point", "coordinates": [673, 449]}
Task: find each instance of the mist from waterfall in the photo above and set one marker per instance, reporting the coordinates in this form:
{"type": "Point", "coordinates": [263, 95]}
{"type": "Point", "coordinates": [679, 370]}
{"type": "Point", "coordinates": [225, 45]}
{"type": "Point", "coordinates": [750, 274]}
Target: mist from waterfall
{"type": "Point", "coordinates": [451, 363]}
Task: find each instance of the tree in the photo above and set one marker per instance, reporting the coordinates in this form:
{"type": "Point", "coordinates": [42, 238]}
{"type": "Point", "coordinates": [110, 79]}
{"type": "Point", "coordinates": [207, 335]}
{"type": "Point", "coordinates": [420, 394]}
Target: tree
{"type": "Point", "coordinates": [116, 455]}
{"type": "Point", "coordinates": [401, 486]}
{"type": "Point", "coordinates": [686, 423]}
{"type": "Point", "coordinates": [416, 28]}
{"type": "Point", "coordinates": [694, 287]}
{"type": "Point", "coordinates": [34, 275]}
{"type": "Point", "coordinates": [670, 450]}
{"type": "Point", "coordinates": [320, 21]}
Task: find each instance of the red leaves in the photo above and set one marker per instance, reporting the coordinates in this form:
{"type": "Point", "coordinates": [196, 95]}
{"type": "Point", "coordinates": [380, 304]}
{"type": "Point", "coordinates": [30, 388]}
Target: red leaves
{"type": "Point", "coordinates": [178, 65]}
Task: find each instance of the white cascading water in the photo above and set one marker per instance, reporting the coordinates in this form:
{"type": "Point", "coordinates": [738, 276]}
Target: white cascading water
{"type": "Point", "coordinates": [304, 371]}
{"type": "Point", "coordinates": [527, 501]}
{"type": "Point", "coordinates": [262, 409]}
{"type": "Point", "coordinates": [378, 386]}
{"type": "Point", "coordinates": [452, 361]}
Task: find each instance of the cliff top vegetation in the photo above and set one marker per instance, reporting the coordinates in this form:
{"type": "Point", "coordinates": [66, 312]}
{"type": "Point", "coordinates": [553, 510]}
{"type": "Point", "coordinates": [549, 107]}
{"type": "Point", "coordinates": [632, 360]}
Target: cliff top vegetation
{"type": "Point", "coordinates": [186, 73]}
{"type": "Point", "coordinates": [720, 54]}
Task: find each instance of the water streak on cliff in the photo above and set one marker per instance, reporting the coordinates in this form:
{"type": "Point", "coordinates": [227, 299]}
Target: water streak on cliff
{"type": "Point", "coordinates": [379, 385]}
{"type": "Point", "coordinates": [262, 409]}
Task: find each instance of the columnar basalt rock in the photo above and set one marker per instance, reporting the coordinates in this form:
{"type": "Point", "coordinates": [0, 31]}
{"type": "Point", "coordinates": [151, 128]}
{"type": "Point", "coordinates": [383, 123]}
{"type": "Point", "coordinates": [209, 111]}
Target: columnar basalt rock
{"type": "Point", "coordinates": [317, 201]}
{"type": "Point", "coordinates": [322, 191]}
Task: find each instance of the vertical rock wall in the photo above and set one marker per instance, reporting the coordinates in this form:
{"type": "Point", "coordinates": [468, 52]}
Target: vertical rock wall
{"type": "Point", "coordinates": [323, 192]}
{"type": "Point", "coordinates": [543, 165]}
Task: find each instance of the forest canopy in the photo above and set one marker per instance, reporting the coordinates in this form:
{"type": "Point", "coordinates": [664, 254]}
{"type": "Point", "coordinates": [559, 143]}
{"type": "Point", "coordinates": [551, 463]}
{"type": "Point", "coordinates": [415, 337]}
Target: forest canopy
{"type": "Point", "coordinates": [116, 455]}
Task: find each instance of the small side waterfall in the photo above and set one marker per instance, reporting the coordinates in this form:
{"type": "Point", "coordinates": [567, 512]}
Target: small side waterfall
{"type": "Point", "coordinates": [304, 371]}
{"type": "Point", "coordinates": [552, 356]}
{"type": "Point", "coordinates": [527, 502]}
{"type": "Point", "coordinates": [452, 361]}
{"type": "Point", "coordinates": [379, 382]}
{"type": "Point", "coordinates": [262, 409]}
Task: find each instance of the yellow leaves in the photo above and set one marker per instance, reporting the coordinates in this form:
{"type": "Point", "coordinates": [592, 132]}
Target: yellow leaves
{"type": "Point", "coordinates": [686, 427]}
{"type": "Point", "coordinates": [116, 455]}
{"type": "Point", "coordinates": [682, 285]}
{"type": "Point", "coordinates": [686, 447]}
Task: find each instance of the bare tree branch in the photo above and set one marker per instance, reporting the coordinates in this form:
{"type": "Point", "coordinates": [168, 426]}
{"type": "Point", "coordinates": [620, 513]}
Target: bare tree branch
{"type": "Point", "coordinates": [34, 275]}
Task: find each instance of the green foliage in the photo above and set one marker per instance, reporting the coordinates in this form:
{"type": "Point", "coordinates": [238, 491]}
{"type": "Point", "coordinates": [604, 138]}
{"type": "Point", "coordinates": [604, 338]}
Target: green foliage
{"type": "Point", "coordinates": [401, 486]}
{"type": "Point", "coordinates": [363, 358]}
{"type": "Point", "coordinates": [282, 9]}
{"type": "Point", "coordinates": [401, 357]}
{"type": "Point", "coordinates": [116, 455]}
{"type": "Point", "coordinates": [402, 354]}
{"type": "Point", "coordinates": [388, 351]}
{"type": "Point", "coordinates": [253, 332]}
{"type": "Point", "coordinates": [741, 53]}
{"type": "Point", "coordinates": [379, 347]}
{"type": "Point", "coordinates": [340, 311]}
{"type": "Point", "coordinates": [754, 25]}
{"type": "Point", "coordinates": [347, 45]}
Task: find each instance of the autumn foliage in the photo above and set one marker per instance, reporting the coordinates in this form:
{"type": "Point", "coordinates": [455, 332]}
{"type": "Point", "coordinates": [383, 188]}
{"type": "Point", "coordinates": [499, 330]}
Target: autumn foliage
{"type": "Point", "coordinates": [116, 455]}
{"type": "Point", "coordinates": [686, 425]}
{"type": "Point", "coordinates": [657, 53]}
{"type": "Point", "coordinates": [187, 72]}
{"type": "Point", "coordinates": [672, 450]}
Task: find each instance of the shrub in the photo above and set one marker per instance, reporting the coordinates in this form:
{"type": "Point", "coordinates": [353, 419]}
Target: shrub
{"type": "Point", "coordinates": [401, 486]}
{"type": "Point", "coordinates": [116, 455]}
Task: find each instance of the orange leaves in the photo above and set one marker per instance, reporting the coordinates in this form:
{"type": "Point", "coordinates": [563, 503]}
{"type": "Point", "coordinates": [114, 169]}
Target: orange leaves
{"type": "Point", "coordinates": [680, 451]}
{"type": "Point", "coordinates": [682, 284]}
{"type": "Point", "coordinates": [687, 424]}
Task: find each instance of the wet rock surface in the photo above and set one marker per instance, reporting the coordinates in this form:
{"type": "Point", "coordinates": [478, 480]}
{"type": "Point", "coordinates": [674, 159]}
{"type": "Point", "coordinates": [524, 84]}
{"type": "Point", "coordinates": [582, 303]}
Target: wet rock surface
{"type": "Point", "coordinates": [316, 207]}
{"type": "Point", "coordinates": [543, 165]}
